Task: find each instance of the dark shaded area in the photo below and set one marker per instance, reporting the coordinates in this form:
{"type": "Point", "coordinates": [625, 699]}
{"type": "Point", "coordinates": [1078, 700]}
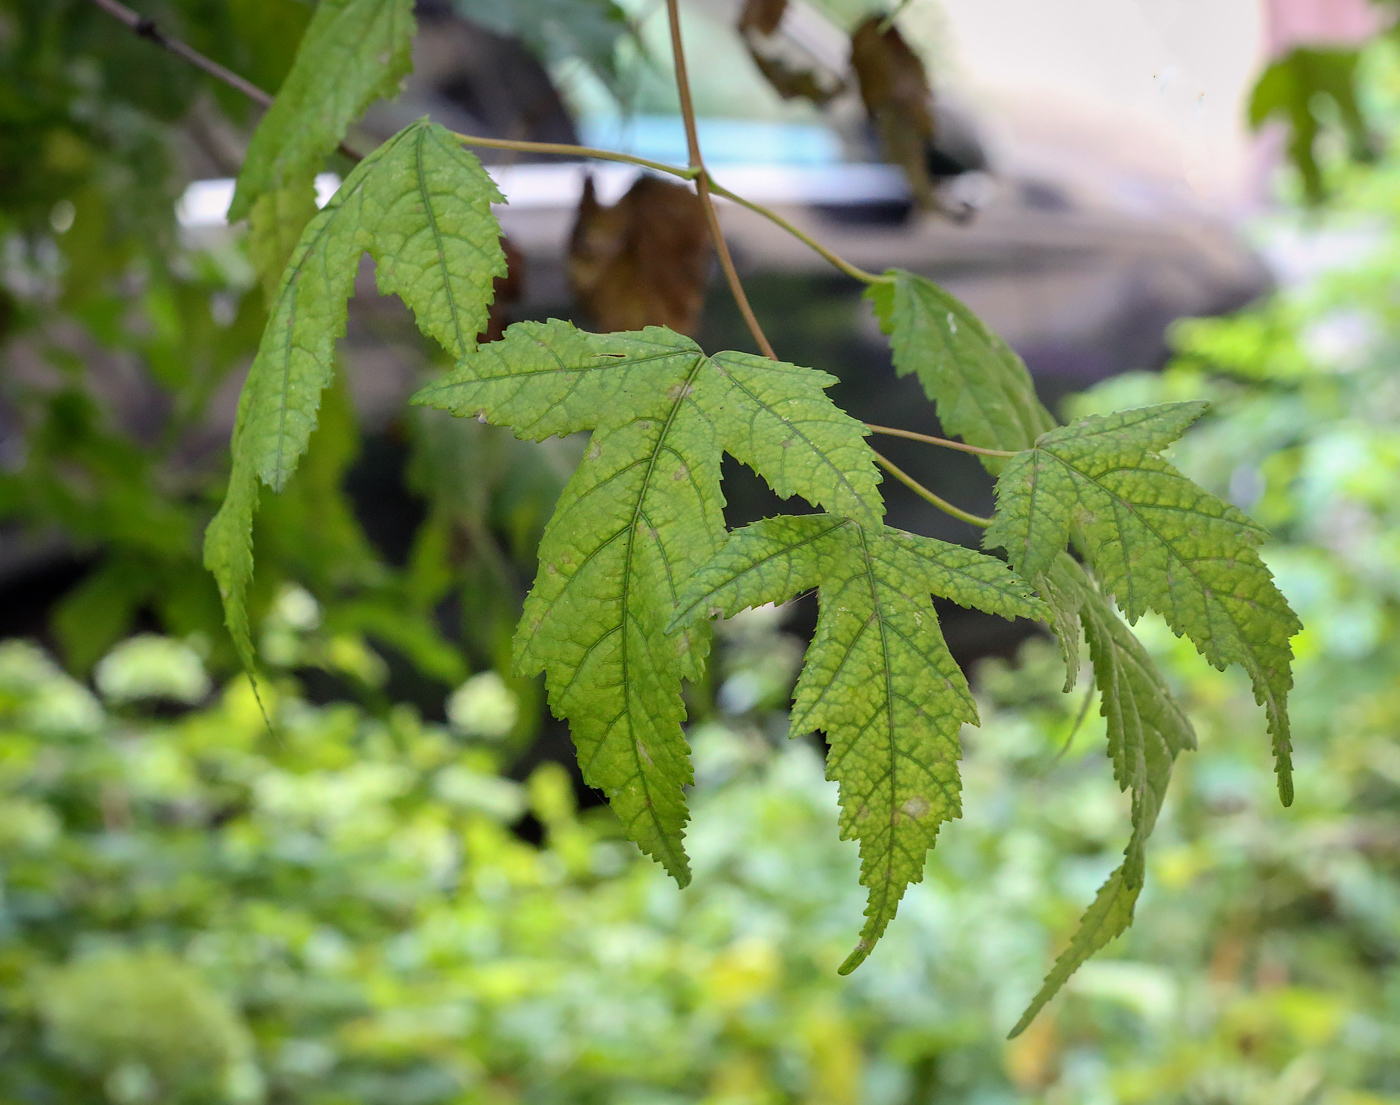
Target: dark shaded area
{"type": "Point", "coordinates": [29, 593]}
{"type": "Point", "coordinates": [387, 510]}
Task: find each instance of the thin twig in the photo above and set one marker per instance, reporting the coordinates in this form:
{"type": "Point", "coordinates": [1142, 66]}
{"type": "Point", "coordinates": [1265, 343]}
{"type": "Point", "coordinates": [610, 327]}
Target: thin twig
{"type": "Point", "coordinates": [684, 173]}
{"type": "Point", "coordinates": [924, 493]}
{"type": "Point", "coordinates": [575, 151]}
{"type": "Point", "coordinates": [145, 27]}
{"type": "Point", "coordinates": [702, 184]}
{"type": "Point", "coordinates": [929, 439]}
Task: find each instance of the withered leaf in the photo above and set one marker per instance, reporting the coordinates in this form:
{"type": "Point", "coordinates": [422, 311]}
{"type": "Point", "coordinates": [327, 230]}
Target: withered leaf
{"type": "Point", "coordinates": [789, 67]}
{"type": "Point", "coordinates": [895, 88]}
{"type": "Point", "coordinates": [642, 262]}
{"type": "Point", "coordinates": [506, 291]}
{"type": "Point", "coordinates": [762, 16]}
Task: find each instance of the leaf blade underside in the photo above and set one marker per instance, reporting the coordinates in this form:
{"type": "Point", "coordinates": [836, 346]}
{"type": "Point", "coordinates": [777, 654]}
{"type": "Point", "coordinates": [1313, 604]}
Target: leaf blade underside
{"type": "Point", "coordinates": [1156, 541]}
{"type": "Point", "coordinates": [878, 678]}
{"type": "Point", "coordinates": [1147, 730]}
{"type": "Point", "coordinates": [980, 387]}
{"type": "Point", "coordinates": [640, 515]}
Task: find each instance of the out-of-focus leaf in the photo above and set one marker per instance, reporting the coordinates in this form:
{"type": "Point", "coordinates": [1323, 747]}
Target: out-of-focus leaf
{"type": "Point", "coordinates": [1292, 87]}
{"type": "Point", "coordinates": [353, 52]}
{"type": "Point", "coordinates": [275, 223]}
{"type": "Point", "coordinates": [642, 262]}
{"type": "Point", "coordinates": [895, 88]}
{"type": "Point", "coordinates": [146, 1009]}
{"type": "Point", "coordinates": [94, 615]}
{"type": "Point", "coordinates": [399, 626]}
{"type": "Point", "coordinates": [557, 30]}
{"type": "Point", "coordinates": [790, 68]}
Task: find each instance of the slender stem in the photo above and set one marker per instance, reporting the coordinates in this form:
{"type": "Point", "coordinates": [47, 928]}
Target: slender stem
{"type": "Point", "coordinates": [929, 439]}
{"type": "Point", "coordinates": [691, 173]}
{"type": "Point", "coordinates": [574, 151]}
{"type": "Point", "coordinates": [702, 185]}
{"type": "Point", "coordinates": [806, 239]}
{"type": "Point", "coordinates": [145, 27]}
{"type": "Point", "coordinates": [924, 493]}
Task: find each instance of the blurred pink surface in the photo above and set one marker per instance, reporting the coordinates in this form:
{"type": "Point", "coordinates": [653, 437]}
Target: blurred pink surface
{"type": "Point", "coordinates": [1319, 23]}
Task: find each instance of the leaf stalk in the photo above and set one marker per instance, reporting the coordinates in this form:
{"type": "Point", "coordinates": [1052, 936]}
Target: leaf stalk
{"type": "Point", "coordinates": [145, 27]}
{"type": "Point", "coordinates": [929, 439]}
{"type": "Point", "coordinates": [702, 184]}
{"type": "Point", "coordinates": [564, 148]}
{"type": "Point", "coordinates": [924, 493]}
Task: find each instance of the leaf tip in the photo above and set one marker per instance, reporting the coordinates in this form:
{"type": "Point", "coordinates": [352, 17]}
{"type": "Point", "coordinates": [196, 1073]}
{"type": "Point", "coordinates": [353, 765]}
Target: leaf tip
{"type": "Point", "coordinates": [677, 865]}
{"type": "Point", "coordinates": [1024, 1023]}
{"type": "Point", "coordinates": [857, 957]}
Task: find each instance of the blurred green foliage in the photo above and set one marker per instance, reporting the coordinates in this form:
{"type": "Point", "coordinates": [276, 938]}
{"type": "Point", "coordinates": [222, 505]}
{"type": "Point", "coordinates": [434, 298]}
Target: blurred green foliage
{"type": "Point", "coordinates": [342, 912]}
{"type": "Point", "coordinates": [125, 336]}
{"type": "Point", "coordinates": [1317, 93]}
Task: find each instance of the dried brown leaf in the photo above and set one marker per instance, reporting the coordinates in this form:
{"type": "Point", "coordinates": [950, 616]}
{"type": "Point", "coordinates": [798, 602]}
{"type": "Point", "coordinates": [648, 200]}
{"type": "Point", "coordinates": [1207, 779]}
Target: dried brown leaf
{"type": "Point", "coordinates": [642, 262]}
{"type": "Point", "coordinates": [506, 290]}
{"type": "Point", "coordinates": [895, 88]}
{"type": "Point", "coordinates": [788, 66]}
{"type": "Point", "coordinates": [762, 16]}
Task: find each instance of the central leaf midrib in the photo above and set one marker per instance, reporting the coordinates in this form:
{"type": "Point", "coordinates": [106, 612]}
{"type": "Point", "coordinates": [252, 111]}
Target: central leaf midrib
{"type": "Point", "coordinates": [878, 615]}
{"type": "Point", "coordinates": [641, 775]}
{"type": "Point", "coordinates": [431, 216]}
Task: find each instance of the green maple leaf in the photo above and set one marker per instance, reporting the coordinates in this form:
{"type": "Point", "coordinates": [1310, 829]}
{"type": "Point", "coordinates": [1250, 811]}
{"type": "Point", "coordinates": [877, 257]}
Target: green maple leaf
{"type": "Point", "coordinates": [1156, 541]}
{"type": "Point", "coordinates": [353, 53]}
{"type": "Point", "coordinates": [639, 516]}
{"type": "Point", "coordinates": [1147, 730]}
{"type": "Point", "coordinates": [421, 206]}
{"type": "Point", "coordinates": [981, 388]}
{"type": "Point", "coordinates": [878, 678]}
